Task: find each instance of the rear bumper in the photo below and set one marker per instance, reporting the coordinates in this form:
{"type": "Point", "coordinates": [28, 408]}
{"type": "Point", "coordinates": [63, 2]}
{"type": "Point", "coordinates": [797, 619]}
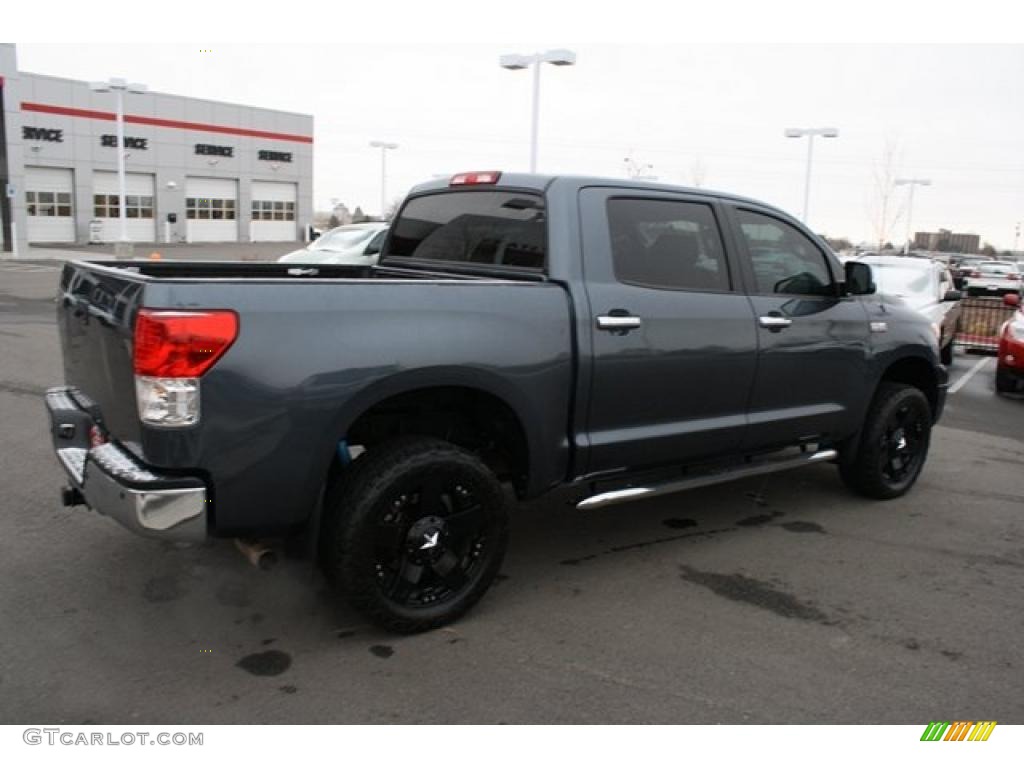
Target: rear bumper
{"type": "Point", "coordinates": [114, 483]}
{"type": "Point", "coordinates": [994, 288]}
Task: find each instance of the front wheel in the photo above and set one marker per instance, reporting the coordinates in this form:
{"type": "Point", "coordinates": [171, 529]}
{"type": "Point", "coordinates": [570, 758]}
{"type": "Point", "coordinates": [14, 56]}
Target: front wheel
{"type": "Point", "coordinates": [414, 533]}
{"type": "Point", "coordinates": [893, 443]}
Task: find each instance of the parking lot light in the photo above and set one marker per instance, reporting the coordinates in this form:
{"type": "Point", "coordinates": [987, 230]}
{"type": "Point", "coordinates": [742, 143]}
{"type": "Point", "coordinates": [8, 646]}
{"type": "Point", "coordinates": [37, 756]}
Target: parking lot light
{"type": "Point", "coordinates": [119, 86]}
{"type": "Point", "coordinates": [383, 146]}
{"type": "Point", "coordinates": [910, 203]}
{"type": "Point", "coordinates": [559, 57]}
{"type": "Point", "coordinates": [810, 133]}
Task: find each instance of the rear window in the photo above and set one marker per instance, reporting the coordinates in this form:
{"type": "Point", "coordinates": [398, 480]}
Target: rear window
{"type": "Point", "coordinates": [485, 227]}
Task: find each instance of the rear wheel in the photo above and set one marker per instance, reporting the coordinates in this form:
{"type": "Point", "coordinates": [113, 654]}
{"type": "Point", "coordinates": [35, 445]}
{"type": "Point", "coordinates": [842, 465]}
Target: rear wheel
{"type": "Point", "coordinates": [893, 443]}
{"type": "Point", "coordinates": [1003, 381]}
{"type": "Point", "coordinates": [415, 532]}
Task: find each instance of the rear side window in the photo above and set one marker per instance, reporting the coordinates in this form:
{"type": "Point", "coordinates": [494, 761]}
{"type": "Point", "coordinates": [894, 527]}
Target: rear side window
{"type": "Point", "coordinates": [488, 227]}
{"type": "Point", "coordinates": [666, 244]}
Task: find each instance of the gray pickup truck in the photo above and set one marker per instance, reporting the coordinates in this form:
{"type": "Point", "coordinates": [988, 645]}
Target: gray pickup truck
{"type": "Point", "coordinates": [519, 333]}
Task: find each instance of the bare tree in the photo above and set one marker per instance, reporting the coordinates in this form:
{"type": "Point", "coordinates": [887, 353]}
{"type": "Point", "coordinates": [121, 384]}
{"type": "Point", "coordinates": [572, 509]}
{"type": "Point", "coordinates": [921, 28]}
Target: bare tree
{"type": "Point", "coordinates": [885, 208]}
{"type": "Point", "coordinates": [637, 170]}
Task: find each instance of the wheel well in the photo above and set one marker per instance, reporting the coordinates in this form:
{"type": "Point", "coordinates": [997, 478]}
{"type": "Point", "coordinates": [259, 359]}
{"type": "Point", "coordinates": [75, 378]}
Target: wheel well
{"type": "Point", "coordinates": [916, 372]}
{"type": "Point", "coordinates": [470, 418]}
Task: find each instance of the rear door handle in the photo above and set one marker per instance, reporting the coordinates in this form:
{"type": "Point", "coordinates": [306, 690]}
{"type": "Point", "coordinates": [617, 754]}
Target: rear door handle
{"type": "Point", "coordinates": [618, 322]}
{"type": "Point", "coordinates": [774, 322]}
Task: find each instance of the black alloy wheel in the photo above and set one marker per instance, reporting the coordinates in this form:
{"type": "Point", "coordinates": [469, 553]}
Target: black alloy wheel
{"type": "Point", "coordinates": [415, 531]}
{"type": "Point", "coordinates": [902, 444]}
{"type": "Point", "coordinates": [886, 458]}
{"type": "Point", "coordinates": [432, 537]}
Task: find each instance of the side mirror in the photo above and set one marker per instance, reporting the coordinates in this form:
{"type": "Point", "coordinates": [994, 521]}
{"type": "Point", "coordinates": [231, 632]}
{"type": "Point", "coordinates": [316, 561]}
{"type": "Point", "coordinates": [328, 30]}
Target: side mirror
{"type": "Point", "coordinates": [859, 280]}
{"type": "Point", "coordinates": [1011, 300]}
{"type": "Point", "coordinates": [953, 296]}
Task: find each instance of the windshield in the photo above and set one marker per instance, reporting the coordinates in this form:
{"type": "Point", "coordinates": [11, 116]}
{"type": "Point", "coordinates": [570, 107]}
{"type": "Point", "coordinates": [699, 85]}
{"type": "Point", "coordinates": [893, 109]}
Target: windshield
{"type": "Point", "coordinates": [341, 239]}
{"type": "Point", "coordinates": [901, 281]}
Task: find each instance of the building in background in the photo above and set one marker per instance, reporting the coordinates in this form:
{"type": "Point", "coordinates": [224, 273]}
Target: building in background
{"type": "Point", "coordinates": [946, 241]}
{"type": "Point", "coordinates": [197, 170]}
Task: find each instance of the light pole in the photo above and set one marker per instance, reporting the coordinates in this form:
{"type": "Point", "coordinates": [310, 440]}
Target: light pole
{"type": "Point", "coordinates": [120, 86]}
{"type": "Point", "coordinates": [810, 133]}
{"type": "Point", "coordinates": [560, 57]}
{"type": "Point", "coordinates": [383, 146]}
{"type": "Point", "coordinates": [910, 203]}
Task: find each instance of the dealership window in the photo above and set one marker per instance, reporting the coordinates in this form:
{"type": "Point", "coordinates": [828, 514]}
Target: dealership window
{"type": "Point", "coordinates": [135, 206]}
{"type": "Point", "coordinates": [48, 203]}
{"type": "Point", "coordinates": [273, 210]}
{"type": "Point", "coordinates": [209, 208]}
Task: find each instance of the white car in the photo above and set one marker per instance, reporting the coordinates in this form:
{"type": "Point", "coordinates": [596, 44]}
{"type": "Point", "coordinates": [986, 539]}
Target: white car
{"type": "Point", "coordinates": [355, 244]}
{"type": "Point", "coordinates": [993, 277]}
{"type": "Point", "coordinates": [925, 285]}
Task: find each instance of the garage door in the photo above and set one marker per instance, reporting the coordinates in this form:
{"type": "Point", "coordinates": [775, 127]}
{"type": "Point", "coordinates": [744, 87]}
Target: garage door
{"type": "Point", "coordinates": [211, 207]}
{"type": "Point", "coordinates": [48, 202]}
{"type": "Point", "coordinates": [139, 210]}
{"type": "Point", "coordinates": [273, 212]}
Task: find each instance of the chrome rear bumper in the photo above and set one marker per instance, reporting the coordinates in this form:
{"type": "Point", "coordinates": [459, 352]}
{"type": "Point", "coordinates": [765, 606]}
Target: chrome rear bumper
{"type": "Point", "coordinates": [115, 484]}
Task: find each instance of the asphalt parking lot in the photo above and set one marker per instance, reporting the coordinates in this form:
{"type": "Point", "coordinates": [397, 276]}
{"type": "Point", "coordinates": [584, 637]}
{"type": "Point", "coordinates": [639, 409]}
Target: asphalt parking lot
{"type": "Point", "coordinates": [777, 600]}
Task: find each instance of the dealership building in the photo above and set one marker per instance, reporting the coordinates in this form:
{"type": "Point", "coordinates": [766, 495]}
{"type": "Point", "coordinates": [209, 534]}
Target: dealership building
{"type": "Point", "coordinates": [196, 170]}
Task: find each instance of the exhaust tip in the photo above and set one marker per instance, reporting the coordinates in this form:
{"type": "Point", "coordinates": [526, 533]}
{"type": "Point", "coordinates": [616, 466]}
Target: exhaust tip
{"type": "Point", "coordinates": [257, 553]}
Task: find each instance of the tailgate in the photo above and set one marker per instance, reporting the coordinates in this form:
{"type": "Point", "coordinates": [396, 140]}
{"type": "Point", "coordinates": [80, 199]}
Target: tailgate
{"type": "Point", "coordinates": [96, 312]}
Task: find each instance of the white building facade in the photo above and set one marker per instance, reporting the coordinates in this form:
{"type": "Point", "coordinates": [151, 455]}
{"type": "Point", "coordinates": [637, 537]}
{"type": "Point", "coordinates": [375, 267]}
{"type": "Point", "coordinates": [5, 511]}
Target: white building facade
{"type": "Point", "coordinates": [196, 170]}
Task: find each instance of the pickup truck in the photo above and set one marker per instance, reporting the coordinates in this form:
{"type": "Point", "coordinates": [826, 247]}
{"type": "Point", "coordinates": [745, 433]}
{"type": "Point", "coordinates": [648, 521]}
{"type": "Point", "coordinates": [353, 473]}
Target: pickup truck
{"type": "Point", "coordinates": [520, 333]}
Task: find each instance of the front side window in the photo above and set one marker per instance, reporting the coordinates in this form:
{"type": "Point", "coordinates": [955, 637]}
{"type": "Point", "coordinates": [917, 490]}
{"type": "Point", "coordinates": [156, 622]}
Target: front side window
{"type": "Point", "coordinates": [666, 244]}
{"type": "Point", "coordinates": [487, 227]}
{"type": "Point", "coordinates": [784, 260]}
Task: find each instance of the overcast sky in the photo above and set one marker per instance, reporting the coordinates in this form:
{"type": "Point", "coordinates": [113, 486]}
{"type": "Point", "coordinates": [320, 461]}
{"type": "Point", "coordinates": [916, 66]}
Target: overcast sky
{"type": "Point", "coordinates": [955, 111]}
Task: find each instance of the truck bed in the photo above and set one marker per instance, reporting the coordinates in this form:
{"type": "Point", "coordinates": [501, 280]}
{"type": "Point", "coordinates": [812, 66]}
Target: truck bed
{"type": "Point", "coordinates": [314, 350]}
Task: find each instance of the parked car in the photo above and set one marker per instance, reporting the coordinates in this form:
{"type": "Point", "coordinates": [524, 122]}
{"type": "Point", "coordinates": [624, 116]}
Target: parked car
{"type": "Point", "coordinates": [520, 332]}
{"type": "Point", "coordinates": [356, 244]}
{"type": "Point", "coordinates": [962, 266]}
{"type": "Point", "coordinates": [1010, 363]}
{"type": "Point", "coordinates": [926, 286]}
{"type": "Point", "coordinates": [993, 278]}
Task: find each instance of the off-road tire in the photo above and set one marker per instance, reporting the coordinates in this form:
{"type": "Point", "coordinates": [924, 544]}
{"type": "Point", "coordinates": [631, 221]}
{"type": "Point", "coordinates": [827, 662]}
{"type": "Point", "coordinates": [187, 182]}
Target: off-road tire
{"type": "Point", "coordinates": [358, 504]}
{"type": "Point", "coordinates": [876, 468]}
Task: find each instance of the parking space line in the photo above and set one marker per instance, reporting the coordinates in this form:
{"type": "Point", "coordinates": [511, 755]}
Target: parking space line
{"type": "Point", "coordinates": [967, 376]}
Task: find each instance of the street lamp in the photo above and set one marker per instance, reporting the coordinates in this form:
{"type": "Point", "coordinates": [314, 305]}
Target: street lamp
{"type": "Point", "coordinates": [810, 133]}
{"type": "Point", "coordinates": [383, 146]}
{"type": "Point", "coordinates": [119, 87]}
{"type": "Point", "coordinates": [910, 203]}
{"type": "Point", "coordinates": [560, 57]}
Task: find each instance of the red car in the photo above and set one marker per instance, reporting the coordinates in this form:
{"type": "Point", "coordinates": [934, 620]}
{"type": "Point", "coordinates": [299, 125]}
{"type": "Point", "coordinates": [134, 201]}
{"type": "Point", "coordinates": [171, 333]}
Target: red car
{"type": "Point", "coordinates": [1010, 366]}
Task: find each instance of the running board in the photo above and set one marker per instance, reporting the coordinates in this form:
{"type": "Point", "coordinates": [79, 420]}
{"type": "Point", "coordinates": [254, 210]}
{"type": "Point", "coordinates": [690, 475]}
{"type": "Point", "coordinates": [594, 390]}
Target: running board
{"type": "Point", "coordinates": [709, 478]}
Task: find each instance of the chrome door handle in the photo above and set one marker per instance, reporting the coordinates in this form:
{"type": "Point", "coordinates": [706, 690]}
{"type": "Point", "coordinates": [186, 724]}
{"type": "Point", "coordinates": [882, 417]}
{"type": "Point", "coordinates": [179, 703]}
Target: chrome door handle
{"type": "Point", "coordinates": [618, 322]}
{"type": "Point", "coordinates": [774, 322]}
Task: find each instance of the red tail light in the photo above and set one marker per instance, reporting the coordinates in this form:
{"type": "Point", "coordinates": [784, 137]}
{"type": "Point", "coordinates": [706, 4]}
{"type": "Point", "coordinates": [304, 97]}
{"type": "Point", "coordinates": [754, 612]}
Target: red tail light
{"type": "Point", "coordinates": [975, 274]}
{"type": "Point", "coordinates": [478, 177]}
{"type": "Point", "coordinates": [180, 344]}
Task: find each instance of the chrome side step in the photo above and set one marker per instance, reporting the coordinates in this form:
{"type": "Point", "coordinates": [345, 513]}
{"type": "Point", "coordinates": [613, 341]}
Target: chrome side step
{"type": "Point", "coordinates": [709, 478]}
